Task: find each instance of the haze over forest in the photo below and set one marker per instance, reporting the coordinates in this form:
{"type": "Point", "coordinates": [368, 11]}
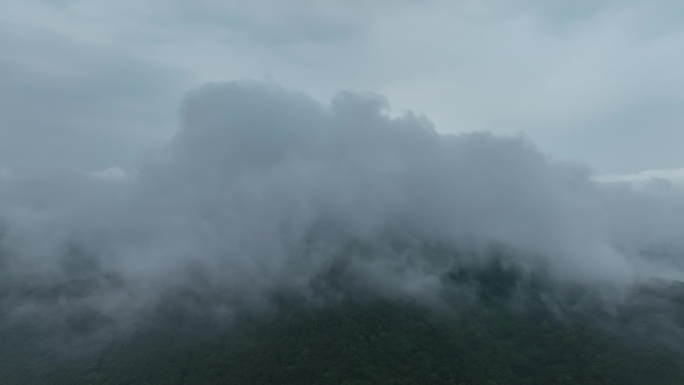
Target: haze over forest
{"type": "Point", "coordinates": [264, 188]}
{"type": "Point", "coordinates": [267, 225]}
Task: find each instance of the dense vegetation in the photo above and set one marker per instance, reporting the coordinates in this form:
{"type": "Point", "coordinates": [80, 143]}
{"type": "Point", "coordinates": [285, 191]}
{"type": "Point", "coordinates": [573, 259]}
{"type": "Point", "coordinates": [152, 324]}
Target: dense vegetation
{"type": "Point", "coordinates": [353, 341]}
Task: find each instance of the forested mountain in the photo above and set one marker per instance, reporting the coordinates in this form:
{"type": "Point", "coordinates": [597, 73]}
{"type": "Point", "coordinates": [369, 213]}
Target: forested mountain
{"type": "Point", "coordinates": [506, 331]}
{"type": "Point", "coordinates": [277, 239]}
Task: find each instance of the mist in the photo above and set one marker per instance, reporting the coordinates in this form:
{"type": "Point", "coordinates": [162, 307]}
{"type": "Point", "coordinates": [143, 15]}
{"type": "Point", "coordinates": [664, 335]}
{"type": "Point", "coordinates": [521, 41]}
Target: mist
{"type": "Point", "coordinates": [263, 190]}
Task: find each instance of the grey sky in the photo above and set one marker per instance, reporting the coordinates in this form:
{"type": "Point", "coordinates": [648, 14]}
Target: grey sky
{"type": "Point", "coordinates": [92, 84]}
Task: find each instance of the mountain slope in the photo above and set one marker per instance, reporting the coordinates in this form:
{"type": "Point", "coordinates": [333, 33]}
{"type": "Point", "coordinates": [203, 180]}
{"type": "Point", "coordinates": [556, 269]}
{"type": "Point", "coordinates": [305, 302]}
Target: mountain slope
{"type": "Point", "coordinates": [353, 342]}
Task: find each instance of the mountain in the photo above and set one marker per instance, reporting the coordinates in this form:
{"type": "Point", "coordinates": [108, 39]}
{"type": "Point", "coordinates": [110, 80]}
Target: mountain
{"type": "Point", "coordinates": [508, 330]}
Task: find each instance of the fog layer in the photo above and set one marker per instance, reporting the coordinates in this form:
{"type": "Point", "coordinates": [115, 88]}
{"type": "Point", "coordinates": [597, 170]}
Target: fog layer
{"type": "Point", "coordinates": [263, 189]}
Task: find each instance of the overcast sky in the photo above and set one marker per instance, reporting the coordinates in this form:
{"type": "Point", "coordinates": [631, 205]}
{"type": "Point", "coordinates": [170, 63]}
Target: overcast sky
{"type": "Point", "coordinates": [93, 84]}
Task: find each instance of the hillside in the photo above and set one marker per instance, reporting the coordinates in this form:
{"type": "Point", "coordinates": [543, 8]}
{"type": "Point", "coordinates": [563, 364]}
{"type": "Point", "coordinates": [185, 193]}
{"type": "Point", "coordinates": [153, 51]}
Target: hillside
{"type": "Point", "coordinates": [358, 339]}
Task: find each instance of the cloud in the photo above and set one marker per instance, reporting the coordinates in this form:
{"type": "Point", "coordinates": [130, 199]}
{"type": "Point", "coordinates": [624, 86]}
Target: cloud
{"type": "Point", "coordinates": [111, 174]}
{"type": "Point", "coordinates": [275, 23]}
{"type": "Point", "coordinates": [263, 190]}
{"type": "Point", "coordinates": [664, 178]}
{"type": "Point", "coordinates": [598, 89]}
{"type": "Point", "coordinates": [591, 81]}
{"type": "Point", "coordinates": [72, 97]}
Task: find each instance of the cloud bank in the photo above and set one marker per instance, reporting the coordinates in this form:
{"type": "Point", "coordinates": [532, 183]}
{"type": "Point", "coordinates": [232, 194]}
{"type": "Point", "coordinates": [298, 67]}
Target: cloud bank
{"type": "Point", "coordinates": [263, 189]}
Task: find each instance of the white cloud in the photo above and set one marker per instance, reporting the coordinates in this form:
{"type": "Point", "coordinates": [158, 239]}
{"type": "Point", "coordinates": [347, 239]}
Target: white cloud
{"type": "Point", "coordinates": [648, 178]}
{"type": "Point", "coordinates": [113, 174]}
